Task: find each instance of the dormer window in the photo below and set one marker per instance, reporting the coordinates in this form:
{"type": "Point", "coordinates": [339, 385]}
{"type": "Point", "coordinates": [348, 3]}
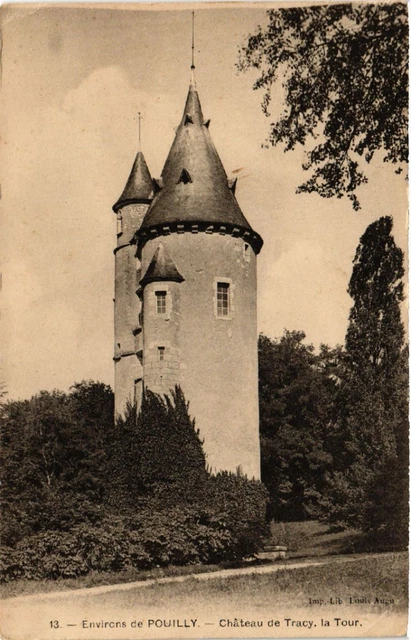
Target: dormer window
{"type": "Point", "coordinates": [161, 302]}
{"type": "Point", "coordinates": [232, 184]}
{"type": "Point", "coordinates": [184, 177]}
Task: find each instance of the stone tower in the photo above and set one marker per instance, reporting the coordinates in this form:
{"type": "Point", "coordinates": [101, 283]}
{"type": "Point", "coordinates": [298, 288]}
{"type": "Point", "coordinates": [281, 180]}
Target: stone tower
{"type": "Point", "coordinates": [130, 209]}
{"type": "Point", "coordinates": [196, 297]}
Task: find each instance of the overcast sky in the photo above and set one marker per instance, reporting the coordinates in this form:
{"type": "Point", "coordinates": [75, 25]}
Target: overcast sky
{"type": "Point", "coordinates": [73, 82]}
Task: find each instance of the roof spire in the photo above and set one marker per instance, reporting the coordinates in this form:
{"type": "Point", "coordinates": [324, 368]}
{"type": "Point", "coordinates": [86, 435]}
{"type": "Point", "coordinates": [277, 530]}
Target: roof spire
{"type": "Point", "coordinates": [194, 183]}
{"type": "Point", "coordinates": [161, 268]}
{"type": "Point", "coordinates": [192, 79]}
{"type": "Point", "coordinates": [139, 184]}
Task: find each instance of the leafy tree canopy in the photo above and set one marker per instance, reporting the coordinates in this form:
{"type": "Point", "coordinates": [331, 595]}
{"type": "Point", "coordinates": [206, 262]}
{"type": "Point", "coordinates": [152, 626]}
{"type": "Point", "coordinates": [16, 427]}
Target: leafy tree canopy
{"type": "Point", "coordinates": [53, 456]}
{"type": "Point", "coordinates": [369, 439]}
{"type": "Point", "coordinates": [80, 493]}
{"type": "Point", "coordinates": [344, 72]}
{"type": "Point", "coordinates": [375, 332]}
{"type": "Point", "coordinates": [374, 392]}
{"type": "Point", "coordinates": [296, 392]}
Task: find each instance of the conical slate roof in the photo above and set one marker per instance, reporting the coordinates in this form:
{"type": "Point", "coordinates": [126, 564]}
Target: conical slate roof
{"type": "Point", "coordinates": [193, 186]}
{"type": "Point", "coordinates": [161, 268]}
{"type": "Point", "coordinates": [139, 184]}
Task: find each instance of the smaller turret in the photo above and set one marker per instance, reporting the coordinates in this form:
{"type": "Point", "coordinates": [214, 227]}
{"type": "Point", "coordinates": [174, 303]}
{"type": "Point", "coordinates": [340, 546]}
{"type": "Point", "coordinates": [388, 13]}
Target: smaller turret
{"type": "Point", "coordinates": [130, 208]}
{"type": "Point", "coordinates": [139, 185]}
{"type": "Point", "coordinates": [161, 268]}
{"type": "Point", "coordinates": [160, 293]}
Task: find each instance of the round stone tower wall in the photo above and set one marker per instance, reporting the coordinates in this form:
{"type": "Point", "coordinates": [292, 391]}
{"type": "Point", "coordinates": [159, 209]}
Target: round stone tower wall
{"type": "Point", "coordinates": [215, 355]}
{"type": "Point", "coordinates": [128, 370]}
{"type": "Point", "coordinates": [161, 336]}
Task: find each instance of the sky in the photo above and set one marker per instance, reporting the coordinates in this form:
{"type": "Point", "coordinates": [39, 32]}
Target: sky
{"type": "Point", "coordinates": [73, 82]}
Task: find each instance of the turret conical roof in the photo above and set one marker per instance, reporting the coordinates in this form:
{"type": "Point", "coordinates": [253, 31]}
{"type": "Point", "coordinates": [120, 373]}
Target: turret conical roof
{"type": "Point", "coordinates": [194, 186]}
{"type": "Point", "coordinates": [139, 185]}
{"type": "Point", "coordinates": [161, 268]}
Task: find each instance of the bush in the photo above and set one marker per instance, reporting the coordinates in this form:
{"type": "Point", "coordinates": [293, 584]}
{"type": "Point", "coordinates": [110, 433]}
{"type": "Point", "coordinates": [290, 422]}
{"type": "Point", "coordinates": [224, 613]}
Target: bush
{"type": "Point", "coordinates": [229, 527]}
{"type": "Point", "coordinates": [181, 536]}
{"type": "Point", "coordinates": [175, 536]}
{"type": "Point", "coordinates": [137, 495]}
{"type": "Point", "coordinates": [242, 503]}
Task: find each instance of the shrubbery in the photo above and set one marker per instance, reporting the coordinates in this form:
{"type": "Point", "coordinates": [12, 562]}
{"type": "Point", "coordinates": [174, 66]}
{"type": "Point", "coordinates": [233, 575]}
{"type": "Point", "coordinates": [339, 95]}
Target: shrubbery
{"type": "Point", "coordinates": [178, 536]}
{"type": "Point", "coordinates": [243, 504]}
{"type": "Point", "coordinates": [137, 494]}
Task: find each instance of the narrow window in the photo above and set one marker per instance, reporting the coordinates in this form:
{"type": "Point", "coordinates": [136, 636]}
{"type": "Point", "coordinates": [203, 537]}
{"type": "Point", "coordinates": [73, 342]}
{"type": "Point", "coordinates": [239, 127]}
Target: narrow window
{"type": "Point", "coordinates": [161, 302]}
{"type": "Point", "coordinates": [119, 224]}
{"type": "Point", "coordinates": [161, 353]}
{"type": "Point", "coordinates": [223, 298]}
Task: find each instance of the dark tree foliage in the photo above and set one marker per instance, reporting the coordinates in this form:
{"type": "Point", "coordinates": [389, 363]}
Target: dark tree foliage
{"type": "Point", "coordinates": [171, 451]}
{"type": "Point", "coordinates": [53, 454]}
{"type": "Point", "coordinates": [83, 494]}
{"type": "Point", "coordinates": [159, 465]}
{"type": "Point", "coordinates": [241, 504]}
{"type": "Point", "coordinates": [158, 453]}
{"type": "Point", "coordinates": [296, 392]}
{"type": "Point", "coordinates": [375, 334]}
{"type": "Point", "coordinates": [344, 73]}
{"type": "Point", "coordinates": [370, 437]}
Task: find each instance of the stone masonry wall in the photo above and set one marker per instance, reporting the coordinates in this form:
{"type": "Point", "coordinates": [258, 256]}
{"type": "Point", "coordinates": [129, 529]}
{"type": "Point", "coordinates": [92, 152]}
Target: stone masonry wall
{"type": "Point", "coordinates": [127, 306]}
{"type": "Point", "coordinates": [217, 356]}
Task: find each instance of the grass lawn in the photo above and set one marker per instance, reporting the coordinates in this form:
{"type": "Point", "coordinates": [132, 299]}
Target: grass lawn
{"type": "Point", "coordinates": [282, 595]}
{"type": "Point", "coordinates": [97, 579]}
{"type": "Point", "coordinates": [313, 539]}
{"type": "Point", "coordinates": [385, 577]}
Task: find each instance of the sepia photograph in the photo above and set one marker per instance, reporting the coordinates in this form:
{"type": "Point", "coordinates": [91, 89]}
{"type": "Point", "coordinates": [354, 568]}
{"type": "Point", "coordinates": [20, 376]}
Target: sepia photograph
{"type": "Point", "coordinates": [204, 376]}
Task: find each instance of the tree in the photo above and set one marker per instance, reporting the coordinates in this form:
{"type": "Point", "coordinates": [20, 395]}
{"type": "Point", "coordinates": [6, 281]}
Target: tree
{"type": "Point", "coordinates": [369, 442]}
{"type": "Point", "coordinates": [296, 394]}
{"type": "Point", "coordinates": [375, 340]}
{"type": "Point", "coordinates": [53, 454]}
{"type": "Point", "coordinates": [157, 454]}
{"type": "Point", "coordinates": [344, 70]}
{"type": "Point", "coordinates": [375, 334]}
{"type": "Point", "coordinates": [80, 493]}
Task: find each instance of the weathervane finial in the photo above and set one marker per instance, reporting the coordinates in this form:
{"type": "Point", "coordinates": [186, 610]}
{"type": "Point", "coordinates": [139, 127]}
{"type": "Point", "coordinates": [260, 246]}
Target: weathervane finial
{"type": "Point", "coordinates": [139, 128]}
{"type": "Point", "coordinates": [192, 42]}
{"type": "Point", "coordinates": [193, 78]}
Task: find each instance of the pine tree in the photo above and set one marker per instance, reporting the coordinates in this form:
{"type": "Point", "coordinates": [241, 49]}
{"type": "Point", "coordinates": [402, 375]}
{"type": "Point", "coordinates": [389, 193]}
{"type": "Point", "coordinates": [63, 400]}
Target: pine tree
{"type": "Point", "coordinates": [171, 460]}
{"type": "Point", "coordinates": [157, 457]}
